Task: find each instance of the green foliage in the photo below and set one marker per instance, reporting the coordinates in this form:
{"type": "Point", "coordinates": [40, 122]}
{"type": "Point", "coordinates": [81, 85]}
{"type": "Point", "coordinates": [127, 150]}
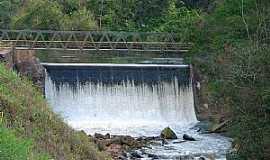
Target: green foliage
{"type": "Point", "coordinates": [233, 44]}
{"type": "Point", "coordinates": [46, 14]}
{"type": "Point", "coordinates": [69, 6]}
{"type": "Point", "coordinates": [128, 15]}
{"type": "Point", "coordinates": [120, 16]}
{"type": "Point", "coordinates": [79, 20]}
{"type": "Point", "coordinates": [149, 14]}
{"type": "Point", "coordinates": [248, 77]}
{"type": "Point", "coordinates": [13, 148]}
{"type": "Point", "coordinates": [231, 48]}
{"type": "Point", "coordinates": [38, 14]}
{"type": "Point", "coordinates": [7, 10]}
{"type": "Point", "coordinates": [180, 19]}
{"type": "Point", "coordinates": [27, 113]}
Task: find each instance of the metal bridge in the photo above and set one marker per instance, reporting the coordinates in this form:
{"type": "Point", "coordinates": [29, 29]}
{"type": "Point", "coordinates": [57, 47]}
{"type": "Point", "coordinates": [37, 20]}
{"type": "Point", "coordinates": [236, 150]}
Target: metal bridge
{"type": "Point", "coordinates": [93, 40]}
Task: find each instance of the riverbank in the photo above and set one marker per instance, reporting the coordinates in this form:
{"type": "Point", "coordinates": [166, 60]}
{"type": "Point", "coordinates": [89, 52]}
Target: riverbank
{"type": "Point", "coordinates": [26, 114]}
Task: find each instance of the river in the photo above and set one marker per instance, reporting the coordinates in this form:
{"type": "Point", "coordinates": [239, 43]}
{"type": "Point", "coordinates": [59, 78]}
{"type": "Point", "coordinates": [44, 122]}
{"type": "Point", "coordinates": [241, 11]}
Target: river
{"type": "Point", "coordinates": [132, 96]}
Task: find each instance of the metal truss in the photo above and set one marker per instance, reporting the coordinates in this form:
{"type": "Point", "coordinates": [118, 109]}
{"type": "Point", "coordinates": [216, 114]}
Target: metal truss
{"type": "Point", "coordinates": [93, 40]}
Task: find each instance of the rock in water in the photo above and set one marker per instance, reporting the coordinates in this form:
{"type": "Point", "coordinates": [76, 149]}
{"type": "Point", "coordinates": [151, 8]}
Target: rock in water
{"type": "Point", "coordinates": [168, 133]}
{"type": "Point", "coordinates": [135, 155]}
{"type": "Point", "coordinates": [107, 136]}
{"type": "Point", "coordinates": [163, 142]}
{"type": "Point", "coordinates": [99, 136]}
{"type": "Point", "coordinates": [188, 138]}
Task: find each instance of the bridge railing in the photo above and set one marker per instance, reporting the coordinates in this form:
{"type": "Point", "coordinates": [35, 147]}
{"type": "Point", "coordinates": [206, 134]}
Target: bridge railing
{"type": "Point", "coordinates": [94, 40]}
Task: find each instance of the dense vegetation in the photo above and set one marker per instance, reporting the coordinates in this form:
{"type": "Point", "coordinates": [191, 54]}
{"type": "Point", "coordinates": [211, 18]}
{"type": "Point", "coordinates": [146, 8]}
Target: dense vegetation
{"type": "Point", "coordinates": [129, 15]}
{"type": "Point", "coordinates": [233, 51]}
{"type": "Point", "coordinates": [42, 134]}
{"type": "Point", "coordinates": [15, 148]}
{"type": "Point", "coordinates": [231, 47]}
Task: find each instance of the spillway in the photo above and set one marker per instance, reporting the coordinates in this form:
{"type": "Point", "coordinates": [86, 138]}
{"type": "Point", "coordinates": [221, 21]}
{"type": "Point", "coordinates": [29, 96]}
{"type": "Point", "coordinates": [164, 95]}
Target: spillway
{"type": "Point", "coordinates": [133, 99]}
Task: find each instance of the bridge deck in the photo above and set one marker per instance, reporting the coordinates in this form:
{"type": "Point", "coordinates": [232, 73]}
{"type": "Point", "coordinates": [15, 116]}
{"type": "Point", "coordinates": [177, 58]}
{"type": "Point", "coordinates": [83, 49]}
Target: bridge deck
{"type": "Point", "coordinates": [93, 40]}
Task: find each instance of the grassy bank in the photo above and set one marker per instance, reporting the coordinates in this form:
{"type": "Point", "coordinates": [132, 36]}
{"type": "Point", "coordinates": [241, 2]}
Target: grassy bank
{"type": "Point", "coordinates": [31, 130]}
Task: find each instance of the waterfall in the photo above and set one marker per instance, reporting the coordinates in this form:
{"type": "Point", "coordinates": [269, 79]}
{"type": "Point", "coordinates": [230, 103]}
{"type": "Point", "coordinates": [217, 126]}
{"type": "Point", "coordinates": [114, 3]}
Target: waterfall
{"type": "Point", "coordinates": [121, 99]}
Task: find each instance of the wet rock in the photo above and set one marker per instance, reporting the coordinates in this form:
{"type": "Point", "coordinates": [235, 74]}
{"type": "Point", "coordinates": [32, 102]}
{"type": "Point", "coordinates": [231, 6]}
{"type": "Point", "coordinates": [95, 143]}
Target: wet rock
{"type": "Point", "coordinates": [121, 157]}
{"type": "Point", "coordinates": [163, 142]}
{"type": "Point", "coordinates": [168, 133]}
{"type": "Point", "coordinates": [177, 142]}
{"type": "Point", "coordinates": [126, 140]}
{"type": "Point", "coordinates": [202, 158]}
{"type": "Point", "coordinates": [188, 138]}
{"type": "Point", "coordinates": [135, 154]}
{"type": "Point", "coordinates": [107, 136]}
{"type": "Point", "coordinates": [99, 136]}
{"type": "Point", "coordinates": [116, 145]}
{"type": "Point", "coordinates": [148, 138]}
{"type": "Point", "coordinates": [28, 65]}
{"type": "Point", "coordinates": [153, 156]}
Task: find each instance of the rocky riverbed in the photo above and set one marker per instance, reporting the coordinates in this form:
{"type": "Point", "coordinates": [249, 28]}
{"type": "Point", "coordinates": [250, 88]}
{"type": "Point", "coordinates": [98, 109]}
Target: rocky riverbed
{"type": "Point", "coordinates": [168, 145]}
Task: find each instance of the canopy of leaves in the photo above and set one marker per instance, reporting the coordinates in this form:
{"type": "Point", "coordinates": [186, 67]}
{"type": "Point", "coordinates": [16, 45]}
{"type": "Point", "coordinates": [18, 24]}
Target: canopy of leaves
{"type": "Point", "coordinates": [234, 44]}
{"type": "Point", "coordinates": [38, 14]}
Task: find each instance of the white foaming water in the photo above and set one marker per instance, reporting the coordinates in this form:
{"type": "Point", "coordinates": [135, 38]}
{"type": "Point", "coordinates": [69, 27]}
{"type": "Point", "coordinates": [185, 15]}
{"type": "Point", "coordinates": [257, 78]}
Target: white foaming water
{"type": "Point", "coordinates": [129, 107]}
{"type": "Point", "coordinates": [125, 108]}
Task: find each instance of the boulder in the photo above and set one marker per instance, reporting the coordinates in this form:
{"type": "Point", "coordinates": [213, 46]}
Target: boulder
{"type": "Point", "coordinates": [107, 136]}
{"type": "Point", "coordinates": [99, 136]}
{"type": "Point", "coordinates": [188, 138]}
{"type": "Point", "coordinates": [28, 65]}
{"type": "Point", "coordinates": [127, 140]}
{"type": "Point", "coordinates": [168, 133]}
{"type": "Point", "coordinates": [202, 158]}
{"type": "Point", "coordinates": [163, 142]}
{"type": "Point", "coordinates": [153, 156]}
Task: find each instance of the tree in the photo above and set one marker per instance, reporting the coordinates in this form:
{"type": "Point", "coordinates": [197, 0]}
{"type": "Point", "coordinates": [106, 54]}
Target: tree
{"type": "Point", "coordinates": [38, 14]}
{"type": "Point", "coordinates": [113, 15]}
{"type": "Point", "coordinates": [79, 20]}
{"type": "Point", "coordinates": [120, 15]}
{"type": "Point", "coordinates": [236, 43]}
{"type": "Point", "coordinates": [7, 9]}
{"type": "Point", "coordinates": [149, 14]}
{"type": "Point", "coordinates": [179, 19]}
{"type": "Point", "coordinates": [248, 79]}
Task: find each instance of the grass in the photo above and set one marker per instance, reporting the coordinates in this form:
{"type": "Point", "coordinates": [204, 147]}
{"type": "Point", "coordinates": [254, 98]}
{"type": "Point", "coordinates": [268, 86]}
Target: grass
{"type": "Point", "coordinates": [28, 116]}
{"type": "Point", "coordinates": [13, 148]}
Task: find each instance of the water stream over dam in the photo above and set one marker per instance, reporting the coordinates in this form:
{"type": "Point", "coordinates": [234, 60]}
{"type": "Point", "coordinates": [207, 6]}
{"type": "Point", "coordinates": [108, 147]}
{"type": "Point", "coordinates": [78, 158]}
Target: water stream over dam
{"type": "Point", "coordinates": [121, 99]}
{"type": "Point", "coordinates": [137, 99]}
